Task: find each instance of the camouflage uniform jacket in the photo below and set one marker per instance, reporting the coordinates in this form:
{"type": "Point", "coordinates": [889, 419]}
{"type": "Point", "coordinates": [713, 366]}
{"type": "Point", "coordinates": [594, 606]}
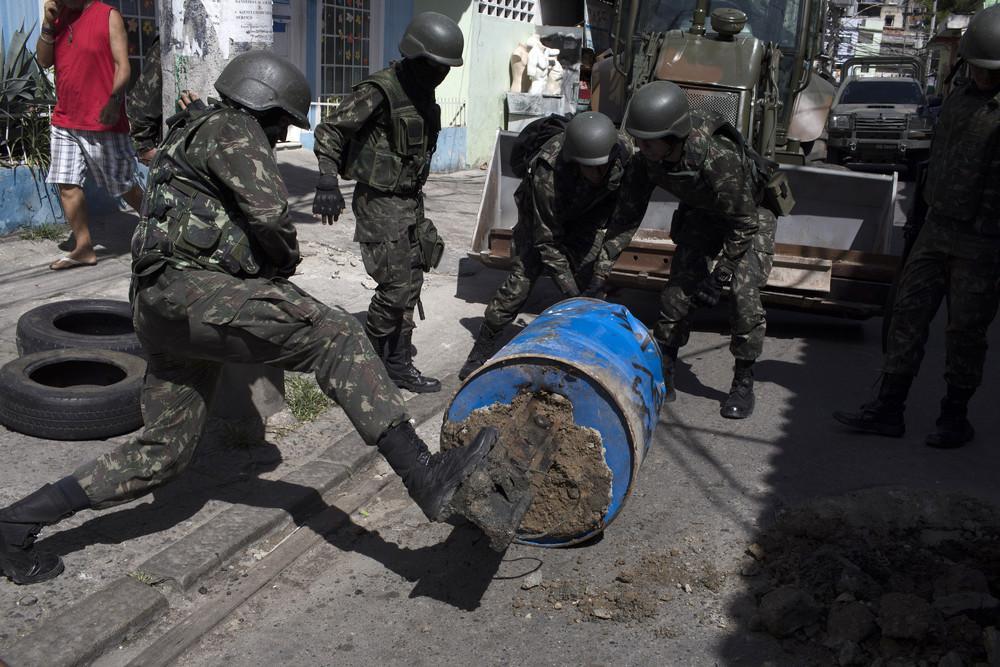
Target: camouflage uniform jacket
{"type": "Point", "coordinates": [963, 180]}
{"type": "Point", "coordinates": [713, 181]}
{"type": "Point", "coordinates": [145, 102]}
{"type": "Point", "coordinates": [216, 201]}
{"type": "Point", "coordinates": [559, 205]}
{"type": "Point", "coordinates": [366, 116]}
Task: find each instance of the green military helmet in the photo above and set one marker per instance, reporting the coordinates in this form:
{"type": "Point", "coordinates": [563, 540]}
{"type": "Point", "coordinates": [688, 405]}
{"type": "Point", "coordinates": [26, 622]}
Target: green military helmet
{"type": "Point", "coordinates": [590, 138]}
{"type": "Point", "coordinates": [980, 45]}
{"type": "Point", "coordinates": [261, 80]}
{"type": "Point", "coordinates": [435, 36]}
{"type": "Point", "coordinates": [658, 109]}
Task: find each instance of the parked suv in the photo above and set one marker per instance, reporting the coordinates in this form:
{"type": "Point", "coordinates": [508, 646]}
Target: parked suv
{"type": "Point", "coordinates": [879, 120]}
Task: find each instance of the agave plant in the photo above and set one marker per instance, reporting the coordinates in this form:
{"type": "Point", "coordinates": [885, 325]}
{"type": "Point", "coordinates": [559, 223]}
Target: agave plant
{"type": "Point", "coordinates": [26, 95]}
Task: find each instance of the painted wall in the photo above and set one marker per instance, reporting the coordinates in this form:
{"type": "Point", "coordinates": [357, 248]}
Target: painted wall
{"type": "Point", "coordinates": [492, 40]}
{"type": "Point", "coordinates": [484, 79]}
{"type": "Point", "coordinates": [26, 200]}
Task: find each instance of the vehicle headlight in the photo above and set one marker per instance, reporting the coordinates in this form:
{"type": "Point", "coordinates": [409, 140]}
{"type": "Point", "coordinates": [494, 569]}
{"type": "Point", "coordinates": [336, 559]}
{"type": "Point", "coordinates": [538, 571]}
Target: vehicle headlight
{"type": "Point", "coordinates": [918, 123]}
{"type": "Point", "coordinates": [841, 121]}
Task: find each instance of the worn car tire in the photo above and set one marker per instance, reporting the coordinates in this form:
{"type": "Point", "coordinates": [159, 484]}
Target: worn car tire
{"type": "Point", "coordinates": [72, 394]}
{"type": "Point", "coordinates": [93, 324]}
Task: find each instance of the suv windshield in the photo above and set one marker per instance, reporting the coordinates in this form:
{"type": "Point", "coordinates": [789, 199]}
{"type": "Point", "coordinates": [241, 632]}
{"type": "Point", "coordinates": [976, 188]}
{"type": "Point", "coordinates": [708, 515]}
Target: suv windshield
{"type": "Point", "coordinates": [882, 92]}
{"type": "Point", "coordinates": [767, 21]}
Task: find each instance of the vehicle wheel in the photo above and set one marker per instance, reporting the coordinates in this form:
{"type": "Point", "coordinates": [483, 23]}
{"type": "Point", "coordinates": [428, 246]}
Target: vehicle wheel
{"type": "Point", "coordinates": [92, 324]}
{"type": "Point", "coordinates": [72, 394]}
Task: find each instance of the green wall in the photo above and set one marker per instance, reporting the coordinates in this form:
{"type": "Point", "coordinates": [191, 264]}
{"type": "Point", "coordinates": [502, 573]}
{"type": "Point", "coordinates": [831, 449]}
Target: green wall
{"type": "Point", "coordinates": [485, 77]}
{"type": "Point", "coordinates": [492, 40]}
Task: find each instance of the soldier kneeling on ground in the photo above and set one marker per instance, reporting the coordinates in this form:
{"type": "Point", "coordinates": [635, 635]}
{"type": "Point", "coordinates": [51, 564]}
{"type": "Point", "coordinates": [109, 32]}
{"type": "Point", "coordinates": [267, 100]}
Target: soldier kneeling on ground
{"type": "Point", "coordinates": [569, 188]}
{"type": "Point", "coordinates": [210, 261]}
{"type": "Point", "coordinates": [956, 255]}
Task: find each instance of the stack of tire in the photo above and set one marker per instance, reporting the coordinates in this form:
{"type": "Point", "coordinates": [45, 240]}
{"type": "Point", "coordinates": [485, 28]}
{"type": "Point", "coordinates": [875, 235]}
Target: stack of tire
{"type": "Point", "coordinates": [80, 373]}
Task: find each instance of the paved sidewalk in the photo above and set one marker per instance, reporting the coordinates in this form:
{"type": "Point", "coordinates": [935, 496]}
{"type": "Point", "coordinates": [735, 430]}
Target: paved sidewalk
{"type": "Point", "coordinates": [124, 565]}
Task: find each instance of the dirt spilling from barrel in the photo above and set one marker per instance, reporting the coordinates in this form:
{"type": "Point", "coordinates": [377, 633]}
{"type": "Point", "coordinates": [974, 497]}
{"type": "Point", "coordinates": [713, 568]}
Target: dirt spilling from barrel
{"type": "Point", "coordinates": [572, 498]}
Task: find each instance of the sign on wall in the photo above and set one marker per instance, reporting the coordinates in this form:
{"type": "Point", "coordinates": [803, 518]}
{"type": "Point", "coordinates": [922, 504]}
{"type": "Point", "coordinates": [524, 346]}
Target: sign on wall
{"type": "Point", "coordinates": [233, 21]}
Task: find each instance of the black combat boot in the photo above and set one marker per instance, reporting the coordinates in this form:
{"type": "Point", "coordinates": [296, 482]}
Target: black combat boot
{"type": "Point", "coordinates": [482, 350]}
{"type": "Point", "coordinates": [884, 415]}
{"type": "Point", "coordinates": [669, 357]}
{"type": "Point", "coordinates": [399, 364]}
{"type": "Point", "coordinates": [21, 522]}
{"type": "Point", "coordinates": [952, 426]}
{"type": "Point", "coordinates": [740, 401]}
{"type": "Point", "coordinates": [431, 479]}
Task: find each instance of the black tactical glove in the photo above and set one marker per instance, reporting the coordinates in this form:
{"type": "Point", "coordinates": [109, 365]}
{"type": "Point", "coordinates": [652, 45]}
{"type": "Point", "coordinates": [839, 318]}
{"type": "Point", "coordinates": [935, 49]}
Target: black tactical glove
{"type": "Point", "coordinates": [709, 290]}
{"type": "Point", "coordinates": [329, 201]}
{"type": "Point", "coordinates": [598, 288]}
{"type": "Point", "coordinates": [567, 285]}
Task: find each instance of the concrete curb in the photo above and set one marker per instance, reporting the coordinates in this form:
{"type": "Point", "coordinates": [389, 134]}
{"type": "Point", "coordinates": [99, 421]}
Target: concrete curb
{"type": "Point", "coordinates": [82, 632]}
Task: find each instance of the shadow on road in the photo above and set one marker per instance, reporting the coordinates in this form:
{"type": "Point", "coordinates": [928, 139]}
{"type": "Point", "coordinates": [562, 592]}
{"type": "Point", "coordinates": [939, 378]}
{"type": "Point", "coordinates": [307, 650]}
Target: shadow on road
{"type": "Point", "coordinates": [456, 571]}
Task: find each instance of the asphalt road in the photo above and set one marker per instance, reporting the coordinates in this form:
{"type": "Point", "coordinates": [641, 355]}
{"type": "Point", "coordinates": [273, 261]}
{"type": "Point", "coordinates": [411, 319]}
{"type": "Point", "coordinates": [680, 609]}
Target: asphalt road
{"type": "Point", "coordinates": [663, 586]}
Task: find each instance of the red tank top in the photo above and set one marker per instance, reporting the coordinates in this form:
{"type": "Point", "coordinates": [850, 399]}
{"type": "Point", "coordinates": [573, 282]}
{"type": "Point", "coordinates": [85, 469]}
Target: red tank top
{"type": "Point", "coordinates": [85, 70]}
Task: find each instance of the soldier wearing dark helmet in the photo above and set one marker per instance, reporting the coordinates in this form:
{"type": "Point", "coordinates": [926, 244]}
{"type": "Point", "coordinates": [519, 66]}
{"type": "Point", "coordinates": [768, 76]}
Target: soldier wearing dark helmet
{"type": "Point", "coordinates": [956, 255]}
{"type": "Point", "coordinates": [383, 136]}
{"type": "Point", "coordinates": [563, 204]}
{"type": "Point", "coordinates": [210, 261]}
{"type": "Point", "coordinates": [702, 160]}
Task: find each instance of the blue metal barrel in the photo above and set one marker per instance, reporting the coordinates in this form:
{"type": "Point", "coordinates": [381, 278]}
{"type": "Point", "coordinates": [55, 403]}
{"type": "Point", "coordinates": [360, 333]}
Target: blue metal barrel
{"type": "Point", "coordinates": [601, 358]}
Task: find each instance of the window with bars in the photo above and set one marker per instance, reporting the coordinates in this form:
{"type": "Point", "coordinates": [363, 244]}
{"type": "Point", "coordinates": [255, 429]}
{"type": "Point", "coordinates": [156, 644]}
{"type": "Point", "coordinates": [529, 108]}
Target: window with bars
{"type": "Point", "coordinates": [140, 27]}
{"type": "Point", "coordinates": [522, 11]}
{"type": "Point", "coordinates": [345, 45]}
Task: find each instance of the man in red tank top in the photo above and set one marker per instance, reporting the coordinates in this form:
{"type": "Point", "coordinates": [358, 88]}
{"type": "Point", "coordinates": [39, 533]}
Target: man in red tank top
{"type": "Point", "coordinates": [86, 41]}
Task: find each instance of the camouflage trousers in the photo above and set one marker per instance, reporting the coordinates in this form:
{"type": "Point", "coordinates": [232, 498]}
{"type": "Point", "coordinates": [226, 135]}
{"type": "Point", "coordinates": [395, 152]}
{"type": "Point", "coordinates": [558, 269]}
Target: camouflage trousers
{"type": "Point", "coordinates": [527, 268]}
{"type": "Point", "coordinates": [963, 269]}
{"type": "Point", "coordinates": [699, 242]}
{"type": "Point", "coordinates": [397, 268]}
{"type": "Point", "coordinates": [192, 322]}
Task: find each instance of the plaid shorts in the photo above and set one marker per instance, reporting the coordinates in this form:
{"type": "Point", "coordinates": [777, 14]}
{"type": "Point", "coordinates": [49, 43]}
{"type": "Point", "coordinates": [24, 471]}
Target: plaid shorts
{"type": "Point", "coordinates": [108, 156]}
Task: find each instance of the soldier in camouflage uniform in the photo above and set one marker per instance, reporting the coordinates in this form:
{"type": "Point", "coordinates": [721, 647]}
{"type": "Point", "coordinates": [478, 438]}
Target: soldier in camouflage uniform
{"type": "Point", "coordinates": [383, 137]}
{"type": "Point", "coordinates": [563, 203]}
{"type": "Point", "coordinates": [956, 255]}
{"type": "Point", "coordinates": [211, 258]}
{"type": "Point", "coordinates": [145, 106]}
{"type": "Point", "coordinates": [701, 160]}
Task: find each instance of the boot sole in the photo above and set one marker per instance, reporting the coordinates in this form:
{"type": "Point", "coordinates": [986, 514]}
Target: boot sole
{"type": "Point", "coordinates": [420, 389]}
{"type": "Point", "coordinates": [735, 414]}
{"type": "Point", "coordinates": [470, 466]}
{"type": "Point", "coordinates": [933, 441]}
{"type": "Point", "coordinates": [37, 579]}
{"type": "Point", "coordinates": [866, 427]}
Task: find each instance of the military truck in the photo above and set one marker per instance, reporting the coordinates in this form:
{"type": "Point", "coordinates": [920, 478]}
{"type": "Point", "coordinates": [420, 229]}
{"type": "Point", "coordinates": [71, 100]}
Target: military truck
{"type": "Point", "coordinates": [879, 115]}
{"type": "Point", "coordinates": [754, 65]}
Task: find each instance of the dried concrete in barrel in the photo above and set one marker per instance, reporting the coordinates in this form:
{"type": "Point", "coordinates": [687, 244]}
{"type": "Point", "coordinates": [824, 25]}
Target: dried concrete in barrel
{"type": "Point", "coordinates": [573, 497]}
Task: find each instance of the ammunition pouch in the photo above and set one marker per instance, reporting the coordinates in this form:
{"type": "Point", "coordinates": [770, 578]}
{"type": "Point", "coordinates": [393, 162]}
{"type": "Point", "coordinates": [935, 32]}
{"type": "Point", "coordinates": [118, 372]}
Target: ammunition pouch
{"type": "Point", "coordinates": [394, 156]}
{"type": "Point", "coordinates": [778, 196]}
{"type": "Point", "coordinates": [430, 242]}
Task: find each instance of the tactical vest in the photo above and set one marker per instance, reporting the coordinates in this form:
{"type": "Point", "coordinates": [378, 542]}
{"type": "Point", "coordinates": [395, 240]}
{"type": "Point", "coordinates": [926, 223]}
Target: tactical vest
{"type": "Point", "coordinates": [687, 178]}
{"type": "Point", "coordinates": [578, 205]}
{"type": "Point", "coordinates": [960, 185]}
{"type": "Point", "coordinates": [187, 221]}
{"type": "Point", "coordinates": [393, 154]}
